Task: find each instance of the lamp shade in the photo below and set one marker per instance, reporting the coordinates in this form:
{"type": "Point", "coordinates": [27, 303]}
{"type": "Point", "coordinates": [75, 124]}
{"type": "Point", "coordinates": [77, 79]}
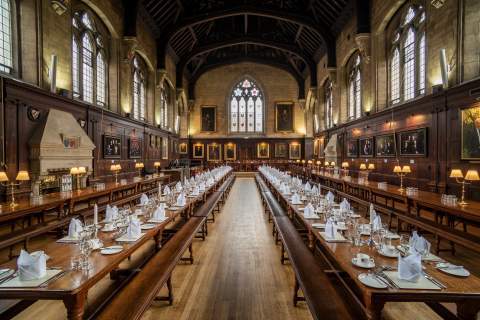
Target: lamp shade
{"type": "Point", "coordinates": [298, 161]}
{"type": "Point", "coordinates": [371, 166]}
{"type": "Point", "coordinates": [113, 167]}
{"type": "Point", "coordinates": [456, 173]}
{"type": "Point", "coordinates": [139, 165]}
{"type": "Point", "coordinates": [327, 163]}
{"type": "Point", "coordinates": [333, 164]}
{"type": "Point", "coordinates": [156, 164]}
{"type": "Point", "coordinates": [363, 166]}
{"type": "Point", "coordinates": [303, 160]}
{"type": "Point", "coordinates": [472, 175]}
{"type": "Point", "coordinates": [397, 169]}
{"type": "Point", "coordinates": [73, 170]}
{"type": "Point", "coordinates": [22, 176]}
{"type": "Point", "coordinates": [309, 161]}
{"type": "Point", "coordinates": [406, 169]}
{"type": "Point", "coordinates": [3, 176]}
{"type": "Point", "coordinates": [319, 162]}
{"type": "Point", "coordinates": [345, 164]}
{"type": "Point", "coordinates": [82, 170]}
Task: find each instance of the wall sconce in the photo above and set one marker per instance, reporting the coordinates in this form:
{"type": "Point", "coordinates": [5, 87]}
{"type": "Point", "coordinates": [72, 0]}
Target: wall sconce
{"type": "Point", "coordinates": [139, 166]}
{"type": "Point", "coordinates": [21, 176]}
{"type": "Point", "coordinates": [402, 172]}
{"type": "Point", "coordinates": [472, 175]}
{"type": "Point", "coordinates": [115, 168]}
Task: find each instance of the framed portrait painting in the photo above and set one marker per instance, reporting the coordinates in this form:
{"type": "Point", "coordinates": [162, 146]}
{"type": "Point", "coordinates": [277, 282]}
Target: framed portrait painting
{"type": "Point", "coordinates": [295, 150]}
{"type": "Point", "coordinates": [284, 116]}
{"type": "Point", "coordinates": [183, 148]}
{"type": "Point", "coordinates": [413, 143]}
{"type": "Point", "coordinates": [112, 147]}
{"type": "Point", "coordinates": [214, 152]}
{"type": "Point", "coordinates": [352, 148]}
{"type": "Point", "coordinates": [470, 133]}
{"type": "Point", "coordinates": [281, 150]}
{"type": "Point", "coordinates": [198, 151]}
{"type": "Point", "coordinates": [230, 150]}
{"type": "Point", "coordinates": [208, 118]}
{"type": "Point", "coordinates": [263, 150]}
{"type": "Point", "coordinates": [164, 148]}
{"type": "Point", "coordinates": [366, 147]}
{"type": "Point", "coordinates": [385, 146]}
{"type": "Point", "coordinates": [134, 148]}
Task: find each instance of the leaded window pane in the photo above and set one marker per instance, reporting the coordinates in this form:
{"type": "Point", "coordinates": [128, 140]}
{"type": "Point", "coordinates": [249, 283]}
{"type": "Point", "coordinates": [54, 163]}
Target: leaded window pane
{"type": "Point", "coordinates": [6, 55]}
{"type": "Point", "coordinates": [246, 108]}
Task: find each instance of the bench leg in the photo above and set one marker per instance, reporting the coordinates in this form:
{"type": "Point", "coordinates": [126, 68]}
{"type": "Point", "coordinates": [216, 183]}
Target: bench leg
{"type": "Point", "coordinates": [283, 258]}
{"type": "Point", "coordinates": [169, 297]}
{"type": "Point", "coordinates": [190, 251]}
{"type": "Point", "coordinates": [296, 297]}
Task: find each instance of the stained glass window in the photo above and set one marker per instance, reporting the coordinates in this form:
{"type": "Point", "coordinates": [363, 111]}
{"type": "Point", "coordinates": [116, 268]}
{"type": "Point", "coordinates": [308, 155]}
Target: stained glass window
{"type": "Point", "coordinates": [355, 88]}
{"type": "Point", "coordinates": [328, 104]}
{"type": "Point", "coordinates": [89, 61]}
{"type": "Point", "coordinates": [246, 108]}
{"type": "Point", "coordinates": [139, 92]}
{"type": "Point", "coordinates": [6, 56]}
{"type": "Point", "coordinates": [407, 57]}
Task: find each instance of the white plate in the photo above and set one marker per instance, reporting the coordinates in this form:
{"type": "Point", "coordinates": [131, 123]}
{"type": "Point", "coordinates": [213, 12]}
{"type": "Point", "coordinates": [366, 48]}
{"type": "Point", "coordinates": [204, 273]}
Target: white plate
{"type": "Point", "coordinates": [370, 280]}
{"type": "Point", "coordinates": [355, 216]}
{"type": "Point", "coordinates": [107, 230]}
{"type": "Point", "coordinates": [392, 236]}
{"type": "Point", "coordinates": [393, 254]}
{"type": "Point", "coordinates": [111, 250]}
{"type": "Point", "coordinates": [459, 272]}
{"type": "Point", "coordinates": [367, 265]}
{"type": "Point", "coordinates": [341, 228]}
{"type": "Point", "coordinates": [318, 225]}
{"type": "Point", "coordinates": [297, 203]}
{"type": "Point", "coordinates": [147, 226]}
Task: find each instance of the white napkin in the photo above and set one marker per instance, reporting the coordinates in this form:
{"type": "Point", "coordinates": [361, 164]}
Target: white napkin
{"type": "Point", "coordinates": [345, 205]}
{"type": "Point", "coordinates": [159, 213]}
{"type": "Point", "coordinates": [143, 199]}
{"type": "Point", "coordinates": [202, 187]}
{"type": "Point", "coordinates": [178, 186]}
{"type": "Point", "coordinates": [32, 266]}
{"type": "Point", "coordinates": [330, 229]}
{"type": "Point", "coordinates": [295, 198]}
{"type": "Point", "coordinates": [133, 230]}
{"type": "Point", "coordinates": [74, 228]}
{"type": "Point", "coordinates": [377, 223]}
{"type": "Point", "coordinates": [192, 179]}
{"type": "Point", "coordinates": [410, 267]}
{"type": "Point", "coordinates": [195, 191]}
{"type": "Point", "coordinates": [166, 190]}
{"type": "Point", "coordinates": [373, 214]}
{"type": "Point", "coordinates": [418, 244]}
{"type": "Point", "coordinates": [330, 197]}
{"type": "Point", "coordinates": [181, 201]}
{"type": "Point", "coordinates": [315, 190]}
{"type": "Point", "coordinates": [309, 210]}
{"type": "Point", "coordinates": [308, 187]}
{"type": "Point", "coordinates": [111, 213]}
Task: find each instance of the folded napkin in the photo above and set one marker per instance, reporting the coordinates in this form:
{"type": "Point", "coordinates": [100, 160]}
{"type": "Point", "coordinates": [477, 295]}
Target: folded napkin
{"type": "Point", "coordinates": [377, 223]}
{"type": "Point", "coordinates": [167, 190]}
{"type": "Point", "coordinates": [315, 190]}
{"type": "Point", "coordinates": [373, 214]}
{"type": "Point", "coordinates": [32, 266]}
{"type": "Point", "coordinates": [195, 191]}
{"type": "Point", "coordinates": [307, 187]}
{"type": "Point", "coordinates": [134, 230]}
{"type": "Point", "coordinates": [111, 213]}
{"type": "Point", "coordinates": [201, 187]}
{"type": "Point", "coordinates": [345, 205]}
{"type": "Point", "coordinates": [181, 200]}
{"type": "Point", "coordinates": [95, 214]}
{"type": "Point", "coordinates": [178, 186]}
{"type": "Point", "coordinates": [159, 213]}
{"type": "Point", "coordinates": [74, 228]}
{"type": "Point", "coordinates": [419, 244]}
{"type": "Point", "coordinates": [330, 197]}
{"type": "Point", "coordinates": [309, 210]}
{"type": "Point", "coordinates": [143, 199]}
{"type": "Point", "coordinates": [330, 229]}
{"type": "Point", "coordinates": [410, 267]}
{"type": "Point", "coordinates": [295, 198]}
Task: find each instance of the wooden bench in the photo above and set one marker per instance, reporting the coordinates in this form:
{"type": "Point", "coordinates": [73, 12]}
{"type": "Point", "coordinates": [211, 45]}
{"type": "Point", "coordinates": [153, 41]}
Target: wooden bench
{"type": "Point", "coordinates": [323, 300]}
{"type": "Point", "coordinates": [144, 286]}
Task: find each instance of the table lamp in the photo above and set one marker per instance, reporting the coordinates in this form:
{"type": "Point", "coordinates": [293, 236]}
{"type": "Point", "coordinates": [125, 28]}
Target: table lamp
{"type": "Point", "coordinates": [139, 166]}
{"type": "Point", "coordinates": [156, 164]}
{"type": "Point", "coordinates": [471, 175]}
{"type": "Point", "coordinates": [363, 166]}
{"type": "Point", "coordinates": [402, 172]}
{"type": "Point", "coordinates": [345, 166]}
{"type": "Point", "coordinates": [115, 168]}
{"type": "Point", "coordinates": [21, 176]}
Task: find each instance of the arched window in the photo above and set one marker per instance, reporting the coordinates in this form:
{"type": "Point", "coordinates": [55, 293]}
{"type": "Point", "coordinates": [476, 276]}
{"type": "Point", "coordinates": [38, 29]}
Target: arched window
{"type": "Point", "coordinates": [139, 89]}
{"type": "Point", "coordinates": [354, 88]}
{"type": "Point", "coordinates": [407, 54]}
{"type": "Point", "coordinates": [246, 107]}
{"type": "Point", "coordinates": [328, 104]}
{"type": "Point", "coordinates": [6, 42]}
{"type": "Point", "coordinates": [89, 60]}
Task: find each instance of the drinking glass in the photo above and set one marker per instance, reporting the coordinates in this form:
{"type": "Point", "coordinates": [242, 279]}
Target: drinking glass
{"type": "Point", "coordinates": [405, 241]}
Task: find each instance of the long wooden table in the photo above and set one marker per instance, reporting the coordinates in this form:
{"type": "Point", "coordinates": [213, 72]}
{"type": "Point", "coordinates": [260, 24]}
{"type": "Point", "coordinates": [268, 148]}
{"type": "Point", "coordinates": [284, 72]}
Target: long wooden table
{"type": "Point", "coordinates": [464, 292]}
{"type": "Point", "coordinates": [72, 288]}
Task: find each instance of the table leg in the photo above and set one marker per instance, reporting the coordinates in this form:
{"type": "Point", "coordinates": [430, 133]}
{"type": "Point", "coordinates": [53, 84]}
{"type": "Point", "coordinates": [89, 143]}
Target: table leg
{"type": "Point", "coordinates": [311, 240]}
{"type": "Point", "coordinates": [376, 310]}
{"type": "Point", "coordinates": [75, 305]}
{"type": "Point", "coordinates": [468, 310]}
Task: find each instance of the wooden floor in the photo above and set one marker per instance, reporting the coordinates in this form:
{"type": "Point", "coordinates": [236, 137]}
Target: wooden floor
{"type": "Point", "coordinates": [237, 274]}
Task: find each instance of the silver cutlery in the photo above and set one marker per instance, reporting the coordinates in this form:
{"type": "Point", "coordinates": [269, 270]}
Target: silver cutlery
{"type": "Point", "coordinates": [434, 281]}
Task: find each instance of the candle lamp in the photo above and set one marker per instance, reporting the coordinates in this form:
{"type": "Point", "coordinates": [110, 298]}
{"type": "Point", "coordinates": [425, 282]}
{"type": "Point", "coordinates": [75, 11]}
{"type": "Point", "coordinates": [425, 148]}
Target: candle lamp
{"type": "Point", "coordinates": [156, 164]}
{"type": "Point", "coordinates": [402, 172]}
{"type": "Point", "coordinates": [471, 175]}
{"type": "Point", "coordinates": [318, 165]}
{"type": "Point", "coordinates": [75, 172]}
{"type": "Point", "coordinates": [21, 176]}
{"type": "Point", "coordinates": [139, 166]}
{"type": "Point", "coordinates": [345, 166]}
{"type": "Point", "coordinates": [115, 168]}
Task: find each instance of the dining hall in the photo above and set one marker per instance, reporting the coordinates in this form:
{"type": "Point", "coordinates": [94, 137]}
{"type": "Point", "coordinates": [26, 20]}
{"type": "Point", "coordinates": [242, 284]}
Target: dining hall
{"type": "Point", "coordinates": [239, 159]}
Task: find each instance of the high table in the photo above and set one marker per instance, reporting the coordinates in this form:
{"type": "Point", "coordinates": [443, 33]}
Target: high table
{"type": "Point", "coordinates": [464, 292]}
{"type": "Point", "coordinates": [72, 287]}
